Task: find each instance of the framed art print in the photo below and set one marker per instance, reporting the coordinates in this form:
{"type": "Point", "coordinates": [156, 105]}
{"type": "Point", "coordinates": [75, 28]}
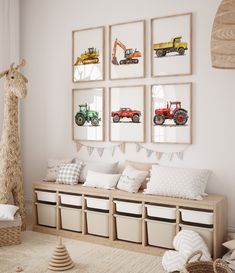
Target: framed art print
{"type": "Point", "coordinates": [88, 114]}
{"type": "Point", "coordinates": [88, 54]}
{"type": "Point", "coordinates": [127, 50]}
{"type": "Point", "coordinates": [171, 45]}
{"type": "Point", "coordinates": [127, 114]}
{"type": "Point", "coordinates": [171, 114]}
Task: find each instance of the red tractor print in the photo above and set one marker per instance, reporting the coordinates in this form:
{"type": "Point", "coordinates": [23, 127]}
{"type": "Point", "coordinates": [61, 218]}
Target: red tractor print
{"type": "Point", "coordinates": [173, 111]}
{"type": "Point", "coordinates": [134, 115]}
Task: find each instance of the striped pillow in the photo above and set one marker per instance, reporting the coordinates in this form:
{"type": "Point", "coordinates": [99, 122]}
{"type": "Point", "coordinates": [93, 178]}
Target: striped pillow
{"type": "Point", "coordinates": [69, 174]}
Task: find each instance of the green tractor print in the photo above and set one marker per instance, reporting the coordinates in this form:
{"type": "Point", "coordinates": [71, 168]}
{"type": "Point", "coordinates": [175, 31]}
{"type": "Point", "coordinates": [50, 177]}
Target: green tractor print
{"type": "Point", "coordinates": [87, 115]}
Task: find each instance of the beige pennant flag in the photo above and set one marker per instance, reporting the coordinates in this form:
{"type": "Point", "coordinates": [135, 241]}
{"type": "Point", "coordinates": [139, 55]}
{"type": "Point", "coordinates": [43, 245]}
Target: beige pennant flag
{"type": "Point", "coordinates": [122, 147]}
{"type": "Point", "coordinates": [79, 146]}
{"type": "Point", "coordinates": [159, 155]}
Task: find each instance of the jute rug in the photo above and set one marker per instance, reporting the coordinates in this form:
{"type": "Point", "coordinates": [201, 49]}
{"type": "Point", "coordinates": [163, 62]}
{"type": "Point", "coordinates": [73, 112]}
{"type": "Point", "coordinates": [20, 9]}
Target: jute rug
{"type": "Point", "coordinates": [35, 251]}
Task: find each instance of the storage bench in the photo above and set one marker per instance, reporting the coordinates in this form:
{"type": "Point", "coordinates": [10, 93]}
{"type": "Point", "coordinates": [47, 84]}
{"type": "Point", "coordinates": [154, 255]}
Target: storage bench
{"type": "Point", "coordinates": [139, 222]}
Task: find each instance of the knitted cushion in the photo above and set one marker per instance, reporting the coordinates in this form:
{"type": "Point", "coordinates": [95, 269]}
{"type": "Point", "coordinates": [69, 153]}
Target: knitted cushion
{"type": "Point", "coordinates": [69, 174]}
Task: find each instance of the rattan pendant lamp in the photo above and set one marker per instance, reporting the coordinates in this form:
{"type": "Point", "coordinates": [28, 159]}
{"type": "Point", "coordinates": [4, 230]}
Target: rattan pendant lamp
{"type": "Point", "coordinates": [223, 36]}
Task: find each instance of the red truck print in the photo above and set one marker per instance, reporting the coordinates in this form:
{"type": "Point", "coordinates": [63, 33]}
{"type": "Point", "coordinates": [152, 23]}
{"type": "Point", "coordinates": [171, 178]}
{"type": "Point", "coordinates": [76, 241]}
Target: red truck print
{"type": "Point", "coordinates": [134, 115]}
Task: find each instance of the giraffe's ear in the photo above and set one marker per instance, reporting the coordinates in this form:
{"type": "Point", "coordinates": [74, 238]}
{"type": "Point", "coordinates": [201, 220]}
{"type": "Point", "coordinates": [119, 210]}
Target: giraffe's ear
{"type": "Point", "coordinates": [2, 74]}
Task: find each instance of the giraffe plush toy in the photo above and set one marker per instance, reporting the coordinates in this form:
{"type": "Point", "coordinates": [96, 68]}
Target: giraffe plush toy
{"type": "Point", "coordinates": [11, 178]}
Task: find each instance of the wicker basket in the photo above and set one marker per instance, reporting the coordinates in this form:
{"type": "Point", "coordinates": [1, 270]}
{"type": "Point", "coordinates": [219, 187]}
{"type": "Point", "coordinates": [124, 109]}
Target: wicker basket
{"type": "Point", "coordinates": [10, 232]}
{"type": "Point", "coordinates": [218, 266]}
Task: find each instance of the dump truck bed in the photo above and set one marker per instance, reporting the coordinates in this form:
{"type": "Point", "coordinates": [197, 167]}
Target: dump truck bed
{"type": "Point", "coordinates": [163, 45]}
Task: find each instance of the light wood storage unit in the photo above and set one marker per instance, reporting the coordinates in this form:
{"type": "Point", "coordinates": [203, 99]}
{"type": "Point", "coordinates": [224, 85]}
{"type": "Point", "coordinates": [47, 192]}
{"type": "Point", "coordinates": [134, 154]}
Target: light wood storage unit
{"type": "Point", "coordinates": [215, 204]}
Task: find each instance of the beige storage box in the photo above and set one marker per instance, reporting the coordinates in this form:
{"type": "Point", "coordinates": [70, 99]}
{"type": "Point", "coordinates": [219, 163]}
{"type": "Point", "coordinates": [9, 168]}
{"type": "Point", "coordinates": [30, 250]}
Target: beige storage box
{"type": "Point", "coordinates": [161, 212]}
{"type": "Point", "coordinates": [46, 215]}
{"type": "Point", "coordinates": [196, 216]}
{"type": "Point", "coordinates": [206, 233]}
{"type": "Point", "coordinates": [71, 199]}
{"type": "Point", "coordinates": [97, 203]}
{"type": "Point", "coordinates": [129, 228]}
{"type": "Point", "coordinates": [71, 219]}
{"type": "Point", "coordinates": [160, 233]}
{"type": "Point", "coordinates": [98, 223]}
{"type": "Point", "coordinates": [128, 207]}
{"type": "Point", "coordinates": [46, 196]}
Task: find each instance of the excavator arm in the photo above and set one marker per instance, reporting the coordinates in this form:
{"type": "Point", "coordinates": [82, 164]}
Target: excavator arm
{"type": "Point", "coordinates": [114, 54]}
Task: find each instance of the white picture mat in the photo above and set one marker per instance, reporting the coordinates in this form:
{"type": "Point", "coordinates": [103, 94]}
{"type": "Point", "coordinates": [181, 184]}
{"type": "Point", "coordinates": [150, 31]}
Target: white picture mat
{"type": "Point", "coordinates": [132, 97]}
{"type": "Point", "coordinates": [161, 94]}
{"type": "Point", "coordinates": [94, 99]}
{"type": "Point", "coordinates": [127, 34]}
{"type": "Point", "coordinates": [163, 29]}
{"type": "Point", "coordinates": [84, 39]}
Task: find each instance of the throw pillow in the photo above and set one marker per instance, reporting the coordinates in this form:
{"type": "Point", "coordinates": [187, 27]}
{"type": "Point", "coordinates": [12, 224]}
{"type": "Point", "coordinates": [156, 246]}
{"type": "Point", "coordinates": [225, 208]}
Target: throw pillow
{"type": "Point", "coordinates": [178, 182]}
{"type": "Point", "coordinates": [142, 166]}
{"type": "Point", "coordinates": [131, 179]}
{"type": "Point", "coordinates": [230, 244]}
{"type": "Point", "coordinates": [97, 167]}
{"type": "Point", "coordinates": [7, 212]}
{"type": "Point", "coordinates": [69, 174]}
{"type": "Point", "coordinates": [53, 166]}
{"type": "Point", "coordinates": [101, 180]}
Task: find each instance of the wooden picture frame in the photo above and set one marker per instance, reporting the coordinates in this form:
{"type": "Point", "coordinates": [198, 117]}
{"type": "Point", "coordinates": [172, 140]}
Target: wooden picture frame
{"type": "Point", "coordinates": [122, 36]}
{"type": "Point", "coordinates": [127, 102]}
{"type": "Point", "coordinates": [88, 54]}
{"type": "Point", "coordinates": [92, 126]}
{"type": "Point", "coordinates": [175, 129]}
{"type": "Point", "coordinates": [169, 55]}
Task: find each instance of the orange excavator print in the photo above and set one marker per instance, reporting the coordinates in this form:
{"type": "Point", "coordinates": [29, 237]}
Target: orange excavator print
{"type": "Point", "coordinates": [130, 54]}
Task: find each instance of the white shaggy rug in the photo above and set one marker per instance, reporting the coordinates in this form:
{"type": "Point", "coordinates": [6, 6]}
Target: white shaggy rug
{"type": "Point", "coordinates": [35, 251]}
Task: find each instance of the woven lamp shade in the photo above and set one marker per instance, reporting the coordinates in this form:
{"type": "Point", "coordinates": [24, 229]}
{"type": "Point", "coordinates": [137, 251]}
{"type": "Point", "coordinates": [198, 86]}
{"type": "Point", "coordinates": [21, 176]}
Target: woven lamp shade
{"type": "Point", "coordinates": [223, 36]}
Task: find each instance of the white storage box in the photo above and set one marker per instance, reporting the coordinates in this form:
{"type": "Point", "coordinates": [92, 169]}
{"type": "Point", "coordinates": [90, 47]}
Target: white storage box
{"type": "Point", "coordinates": [46, 215]}
{"type": "Point", "coordinates": [72, 200]}
{"type": "Point", "coordinates": [194, 216]}
{"type": "Point", "coordinates": [98, 223]}
{"type": "Point", "coordinates": [161, 212]}
{"type": "Point", "coordinates": [97, 203]}
{"type": "Point", "coordinates": [129, 228]}
{"type": "Point", "coordinates": [206, 233]}
{"type": "Point", "coordinates": [46, 196]}
{"type": "Point", "coordinates": [161, 233]}
{"type": "Point", "coordinates": [71, 219]}
{"type": "Point", "coordinates": [128, 207]}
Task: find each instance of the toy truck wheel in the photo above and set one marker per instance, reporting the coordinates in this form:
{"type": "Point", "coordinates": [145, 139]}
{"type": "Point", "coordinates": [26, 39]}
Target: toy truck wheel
{"type": "Point", "coordinates": [80, 119]}
{"type": "Point", "coordinates": [135, 119]}
{"type": "Point", "coordinates": [159, 53]}
{"type": "Point", "coordinates": [180, 117]}
{"type": "Point", "coordinates": [94, 121]}
{"type": "Point", "coordinates": [116, 118]}
{"type": "Point", "coordinates": [181, 51]}
{"type": "Point", "coordinates": [158, 119]}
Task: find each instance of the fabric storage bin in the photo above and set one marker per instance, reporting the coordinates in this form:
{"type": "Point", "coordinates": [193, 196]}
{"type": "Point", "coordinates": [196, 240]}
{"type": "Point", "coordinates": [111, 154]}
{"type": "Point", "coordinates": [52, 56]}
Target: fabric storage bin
{"type": "Point", "coordinates": [161, 212]}
{"type": "Point", "coordinates": [160, 233]}
{"type": "Point", "coordinates": [97, 223]}
{"type": "Point", "coordinates": [46, 196]}
{"type": "Point", "coordinates": [129, 228]}
{"type": "Point", "coordinates": [46, 214]}
{"type": "Point", "coordinates": [206, 233]}
{"type": "Point", "coordinates": [71, 219]}
{"type": "Point", "coordinates": [128, 207]}
{"type": "Point", "coordinates": [97, 203]}
{"type": "Point", "coordinates": [195, 216]}
{"type": "Point", "coordinates": [71, 199]}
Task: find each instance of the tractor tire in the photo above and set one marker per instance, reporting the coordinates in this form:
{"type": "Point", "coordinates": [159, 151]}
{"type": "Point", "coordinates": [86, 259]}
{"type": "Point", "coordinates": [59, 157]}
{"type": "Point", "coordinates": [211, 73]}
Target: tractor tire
{"type": "Point", "coordinates": [181, 51]}
{"type": "Point", "coordinates": [80, 119]}
{"type": "Point", "coordinates": [116, 118]}
{"type": "Point", "coordinates": [180, 117]}
{"type": "Point", "coordinates": [160, 53]}
{"type": "Point", "coordinates": [136, 119]}
{"type": "Point", "coordinates": [94, 121]}
{"type": "Point", "coordinates": [158, 119]}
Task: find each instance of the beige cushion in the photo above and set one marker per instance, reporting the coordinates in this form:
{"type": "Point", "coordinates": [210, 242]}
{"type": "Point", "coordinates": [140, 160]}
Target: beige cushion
{"type": "Point", "coordinates": [53, 166]}
{"type": "Point", "coordinates": [233, 255]}
{"type": "Point", "coordinates": [142, 166]}
{"type": "Point", "coordinates": [230, 244]}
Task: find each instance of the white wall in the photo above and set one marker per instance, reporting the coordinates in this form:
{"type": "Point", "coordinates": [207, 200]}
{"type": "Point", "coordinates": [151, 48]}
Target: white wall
{"type": "Point", "coordinates": [46, 28]}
